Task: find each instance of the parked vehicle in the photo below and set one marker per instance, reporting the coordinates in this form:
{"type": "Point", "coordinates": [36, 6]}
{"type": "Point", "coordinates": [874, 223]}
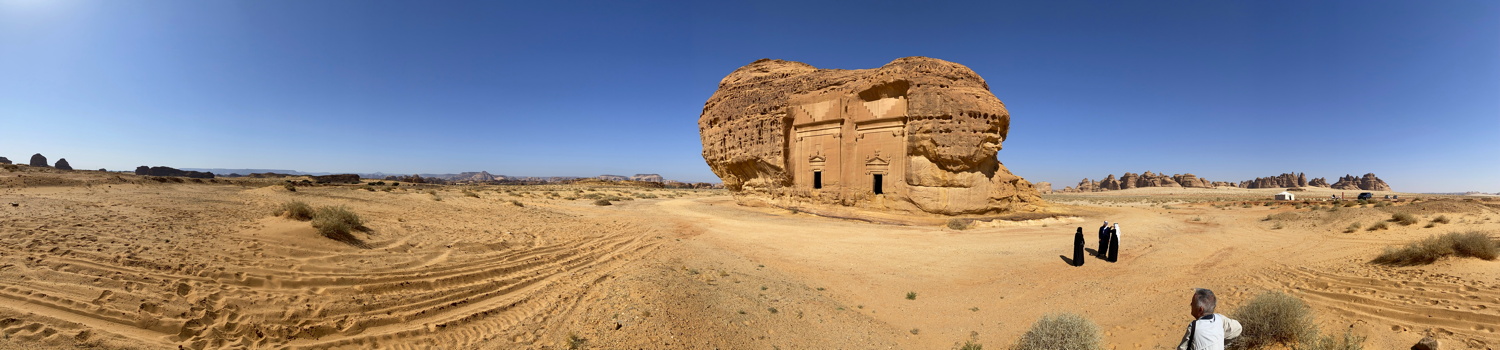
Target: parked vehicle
{"type": "Point", "coordinates": [1366, 195]}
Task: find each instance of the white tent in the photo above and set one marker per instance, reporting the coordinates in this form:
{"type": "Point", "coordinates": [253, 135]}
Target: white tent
{"type": "Point", "coordinates": [1285, 196]}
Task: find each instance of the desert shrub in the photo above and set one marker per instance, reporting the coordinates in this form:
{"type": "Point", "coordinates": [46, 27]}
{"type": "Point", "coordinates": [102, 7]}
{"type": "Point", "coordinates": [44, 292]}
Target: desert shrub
{"type": "Point", "coordinates": [368, 188]}
{"type": "Point", "coordinates": [295, 210]}
{"type": "Point", "coordinates": [1274, 317]}
{"type": "Point", "coordinates": [338, 223]}
{"type": "Point", "coordinates": [1277, 226]}
{"type": "Point", "coordinates": [1403, 218]}
{"type": "Point", "coordinates": [1441, 219]}
{"type": "Point", "coordinates": [1060, 332]}
{"type": "Point", "coordinates": [958, 224]}
{"type": "Point", "coordinates": [645, 196]}
{"type": "Point", "coordinates": [911, 295]}
{"type": "Point", "coordinates": [468, 193]}
{"type": "Point", "coordinates": [971, 345]}
{"type": "Point", "coordinates": [602, 202]}
{"type": "Point", "coordinates": [12, 167]}
{"type": "Point", "coordinates": [576, 342]}
{"type": "Point", "coordinates": [517, 203]}
{"type": "Point", "coordinates": [1352, 227]}
{"type": "Point", "coordinates": [290, 187]}
{"type": "Point", "coordinates": [1348, 342]}
{"type": "Point", "coordinates": [1378, 226]}
{"type": "Point", "coordinates": [1472, 244]}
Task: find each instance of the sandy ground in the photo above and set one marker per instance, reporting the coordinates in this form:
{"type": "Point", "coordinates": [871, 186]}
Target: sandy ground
{"type": "Point", "coordinates": [119, 261]}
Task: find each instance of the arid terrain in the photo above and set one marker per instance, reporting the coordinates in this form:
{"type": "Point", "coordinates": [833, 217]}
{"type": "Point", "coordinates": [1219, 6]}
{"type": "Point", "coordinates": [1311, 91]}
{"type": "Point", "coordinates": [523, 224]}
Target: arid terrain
{"type": "Point", "coordinates": [123, 261]}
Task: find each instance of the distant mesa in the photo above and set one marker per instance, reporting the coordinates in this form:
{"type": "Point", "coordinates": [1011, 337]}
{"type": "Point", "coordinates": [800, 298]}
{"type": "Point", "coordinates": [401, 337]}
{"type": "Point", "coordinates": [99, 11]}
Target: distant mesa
{"type": "Point", "coordinates": [608, 177]}
{"type": "Point", "coordinates": [482, 176]}
{"type": "Point", "coordinates": [62, 164]}
{"type": "Point", "coordinates": [38, 160]}
{"type": "Point", "coordinates": [1287, 180]}
{"type": "Point", "coordinates": [647, 178]}
{"type": "Point", "coordinates": [337, 179]}
{"type": "Point", "coordinates": [918, 135]}
{"type": "Point", "coordinates": [169, 171]}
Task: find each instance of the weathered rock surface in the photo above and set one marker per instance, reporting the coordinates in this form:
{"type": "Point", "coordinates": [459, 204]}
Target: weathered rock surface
{"type": "Point", "coordinates": [1044, 187]}
{"type": "Point", "coordinates": [38, 160]}
{"type": "Point", "coordinates": [4, 160]}
{"type": "Point", "coordinates": [169, 171]}
{"type": "Point", "coordinates": [608, 177]}
{"type": "Point", "coordinates": [469, 176]}
{"type": "Point", "coordinates": [1147, 179]}
{"type": "Point", "coordinates": [337, 179]}
{"type": "Point", "coordinates": [62, 164]}
{"type": "Point", "coordinates": [1427, 343]}
{"type": "Point", "coordinates": [916, 135]}
{"type": "Point", "coordinates": [1367, 183]}
{"type": "Point", "coordinates": [1278, 181]}
{"type": "Point", "coordinates": [1318, 182]}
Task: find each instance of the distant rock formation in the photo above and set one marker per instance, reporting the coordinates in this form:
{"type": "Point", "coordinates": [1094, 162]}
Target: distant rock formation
{"type": "Point", "coordinates": [1367, 183]}
{"type": "Point", "coordinates": [1044, 187]}
{"type": "Point", "coordinates": [647, 178]}
{"type": "Point", "coordinates": [268, 175]}
{"type": "Point", "coordinates": [4, 160]}
{"type": "Point", "coordinates": [169, 171]}
{"type": "Point", "coordinates": [1318, 182]}
{"type": "Point", "coordinates": [62, 164]}
{"type": "Point", "coordinates": [607, 177]}
{"type": "Point", "coordinates": [416, 179]}
{"type": "Point", "coordinates": [38, 160]}
{"type": "Point", "coordinates": [916, 135]}
{"type": "Point", "coordinates": [1147, 179]}
{"type": "Point", "coordinates": [338, 178]}
{"type": "Point", "coordinates": [482, 176]}
{"type": "Point", "coordinates": [1278, 181]}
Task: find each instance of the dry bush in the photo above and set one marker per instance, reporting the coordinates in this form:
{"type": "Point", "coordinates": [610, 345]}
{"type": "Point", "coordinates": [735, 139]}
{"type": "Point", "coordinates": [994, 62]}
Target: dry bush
{"type": "Point", "coordinates": [468, 193]}
{"type": "Point", "coordinates": [958, 224]}
{"type": "Point", "coordinates": [1352, 227]}
{"type": "Point", "coordinates": [602, 202]}
{"type": "Point", "coordinates": [1441, 219]}
{"type": "Point", "coordinates": [517, 203]}
{"type": "Point", "coordinates": [295, 210]}
{"type": "Point", "coordinates": [1272, 318]}
{"type": "Point", "coordinates": [1471, 244]}
{"type": "Point", "coordinates": [338, 223]}
{"type": "Point", "coordinates": [1061, 332]}
{"type": "Point", "coordinates": [1404, 219]}
{"type": "Point", "coordinates": [1379, 226]}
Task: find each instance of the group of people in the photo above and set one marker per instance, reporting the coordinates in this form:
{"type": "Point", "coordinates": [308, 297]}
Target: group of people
{"type": "Point", "coordinates": [1109, 244]}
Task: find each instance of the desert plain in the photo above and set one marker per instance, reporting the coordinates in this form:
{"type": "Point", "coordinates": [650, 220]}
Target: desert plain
{"type": "Point", "coordinates": [120, 261]}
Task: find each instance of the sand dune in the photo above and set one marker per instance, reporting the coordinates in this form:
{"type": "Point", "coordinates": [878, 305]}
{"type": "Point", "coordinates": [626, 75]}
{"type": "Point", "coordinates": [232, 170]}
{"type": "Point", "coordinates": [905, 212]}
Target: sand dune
{"type": "Point", "coordinates": [127, 262]}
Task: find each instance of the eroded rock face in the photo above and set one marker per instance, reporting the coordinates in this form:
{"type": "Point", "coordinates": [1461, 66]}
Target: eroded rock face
{"type": "Point", "coordinates": [337, 178]}
{"type": "Point", "coordinates": [1367, 183]}
{"type": "Point", "coordinates": [918, 135]}
{"type": "Point", "coordinates": [4, 160]}
{"type": "Point", "coordinates": [1319, 182]}
{"type": "Point", "coordinates": [38, 160]}
{"type": "Point", "coordinates": [647, 178]}
{"type": "Point", "coordinates": [1044, 187]}
{"type": "Point", "coordinates": [1147, 179]}
{"type": "Point", "coordinates": [170, 171]}
{"type": "Point", "coordinates": [1278, 181]}
{"type": "Point", "coordinates": [62, 164]}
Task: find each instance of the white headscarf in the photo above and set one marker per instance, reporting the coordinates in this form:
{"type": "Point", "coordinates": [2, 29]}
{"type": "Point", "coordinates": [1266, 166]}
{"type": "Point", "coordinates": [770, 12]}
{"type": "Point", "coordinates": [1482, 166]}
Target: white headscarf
{"type": "Point", "coordinates": [1117, 230]}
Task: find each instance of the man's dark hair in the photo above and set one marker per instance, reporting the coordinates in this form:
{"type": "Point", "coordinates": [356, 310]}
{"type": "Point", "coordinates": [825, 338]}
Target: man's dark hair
{"type": "Point", "coordinates": [1204, 300]}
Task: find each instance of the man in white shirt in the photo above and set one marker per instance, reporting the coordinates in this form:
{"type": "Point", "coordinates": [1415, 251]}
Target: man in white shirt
{"type": "Point", "coordinates": [1209, 330]}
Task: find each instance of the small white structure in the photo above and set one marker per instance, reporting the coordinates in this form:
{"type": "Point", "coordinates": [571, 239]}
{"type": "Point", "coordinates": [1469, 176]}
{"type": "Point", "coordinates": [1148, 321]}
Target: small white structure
{"type": "Point", "coordinates": [1285, 196]}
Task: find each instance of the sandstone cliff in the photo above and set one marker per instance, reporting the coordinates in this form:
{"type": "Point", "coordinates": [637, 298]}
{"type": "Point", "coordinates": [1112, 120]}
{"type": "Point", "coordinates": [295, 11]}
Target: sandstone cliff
{"type": "Point", "coordinates": [922, 132]}
{"type": "Point", "coordinates": [1147, 179]}
{"type": "Point", "coordinates": [1367, 183]}
{"type": "Point", "coordinates": [337, 178]}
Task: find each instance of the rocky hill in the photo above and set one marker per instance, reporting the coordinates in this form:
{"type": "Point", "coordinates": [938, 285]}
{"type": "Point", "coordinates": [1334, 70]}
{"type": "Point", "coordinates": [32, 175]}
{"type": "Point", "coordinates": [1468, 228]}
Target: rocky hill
{"type": "Point", "coordinates": [1368, 182]}
{"type": "Point", "coordinates": [1133, 180]}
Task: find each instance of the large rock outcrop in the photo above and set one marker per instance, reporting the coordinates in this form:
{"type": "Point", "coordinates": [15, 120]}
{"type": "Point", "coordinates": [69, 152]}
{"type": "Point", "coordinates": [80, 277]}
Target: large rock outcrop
{"type": "Point", "coordinates": [62, 164]}
{"type": "Point", "coordinates": [4, 160]}
{"type": "Point", "coordinates": [1278, 181]}
{"type": "Point", "coordinates": [337, 179]}
{"type": "Point", "coordinates": [38, 160]}
{"type": "Point", "coordinates": [1147, 179]}
{"type": "Point", "coordinates": [916, 135]}
{"type": "Point", "coordinates": [169, 171]}
{"type": "Point", "coordinates": [1367, 183]}
{"type": "Point", "coordinates": [647, 178]}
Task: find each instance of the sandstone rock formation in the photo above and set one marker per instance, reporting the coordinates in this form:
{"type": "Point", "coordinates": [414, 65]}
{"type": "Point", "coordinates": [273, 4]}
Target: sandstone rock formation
{"type": "Point", "coordinates": [4, 160]}
{"type": "Point", "coordinates": [647, 178]}
{"type": "Point", "coordinates": [1147, 179]}
{"type": "Point", "coordinates": [1044, 187]}
{"type": "Point", "coordinates": [169, 171]}
{"type": "Point", "coordinates": [1318, 182]}
{"type": "Point", "coordinates": [1278, 181]}
{"type": "Point", "coordinates": [1367, 183]}
{"type": "Point", "coordinates": [607, 177]}
{"type": "Point", "coordinates": [469, 176]}
{"type": "Point", "coordinates": [62, 164]}
{"type": "Point", "coordinates": [38, 160]}
{"type": "Point", "coordinates": [338, 178]}
{"type": "Point", "coordinates": [916, 135]}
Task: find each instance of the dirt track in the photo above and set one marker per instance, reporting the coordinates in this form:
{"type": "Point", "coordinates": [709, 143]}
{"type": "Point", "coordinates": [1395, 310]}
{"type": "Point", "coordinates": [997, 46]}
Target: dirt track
{"type": "Point", "coordinates": [149, 265]}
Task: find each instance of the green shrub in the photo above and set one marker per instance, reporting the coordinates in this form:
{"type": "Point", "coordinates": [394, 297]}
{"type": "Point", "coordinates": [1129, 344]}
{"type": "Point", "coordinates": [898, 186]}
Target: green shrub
{"type": "Point", "coordinates": [971, 345]}
{"type": "Point", "coordinates": [1060, 332]}
{"type": "Point", "coordinates": [1272, 318]}
{"type": "Point", "coordinates": [1429, 250]}
{"type": "Point", "coordinates": [958, 224]}
{"type": "Point", "coordinates": [295, 210]}
{"type": "Point", "coordinates": [290, 187]}
{"type": "Point", "coordinates": [1403, 218]}
{"type": "Point", "coordinates": [911, 295]}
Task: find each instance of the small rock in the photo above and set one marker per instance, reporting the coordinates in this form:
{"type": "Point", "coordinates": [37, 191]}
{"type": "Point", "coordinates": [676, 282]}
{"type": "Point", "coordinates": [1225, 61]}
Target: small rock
{"type": "Point", "coordinates": [1427, 343]}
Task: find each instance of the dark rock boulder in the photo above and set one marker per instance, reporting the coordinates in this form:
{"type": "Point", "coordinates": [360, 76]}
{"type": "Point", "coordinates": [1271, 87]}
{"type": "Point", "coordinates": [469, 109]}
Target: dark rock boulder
{"type": "Point", "coordinates": [4, 160]}
{"type": "Point", "coordinates": [38, 160]}
{"type": "Point", "coordinates": [339, 178]}
{"type": "Point", "coordinates": [62, 164]}
{"type": "Point", "coordinates": [169, 171]}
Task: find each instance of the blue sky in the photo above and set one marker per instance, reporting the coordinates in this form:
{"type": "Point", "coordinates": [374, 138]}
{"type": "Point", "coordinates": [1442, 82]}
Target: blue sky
{"type": "Point", "coordinates": [1226, 90]}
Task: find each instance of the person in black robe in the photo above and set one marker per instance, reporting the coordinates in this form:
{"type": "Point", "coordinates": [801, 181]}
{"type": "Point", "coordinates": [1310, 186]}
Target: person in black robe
{"type": "Point", "coordinates": [1114, 243]}
{"type": "Point", "coordinates": [1103, 240]}
{"type": "Point", "coordinates": [1078, 248]}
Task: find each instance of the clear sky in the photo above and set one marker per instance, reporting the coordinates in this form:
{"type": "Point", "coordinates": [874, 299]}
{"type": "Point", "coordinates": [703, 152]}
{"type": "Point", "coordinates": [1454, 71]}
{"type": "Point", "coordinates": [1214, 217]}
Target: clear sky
{"type": "Point", "coordinates": [1227, 90]}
